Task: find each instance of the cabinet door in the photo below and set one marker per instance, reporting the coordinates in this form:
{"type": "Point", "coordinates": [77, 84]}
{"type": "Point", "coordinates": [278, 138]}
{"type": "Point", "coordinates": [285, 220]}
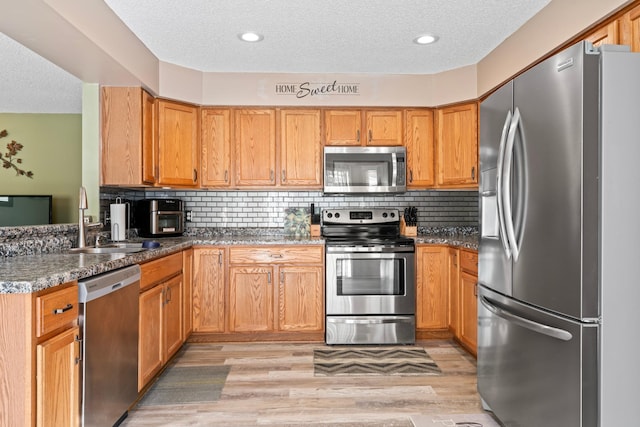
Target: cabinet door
{"type": "Point", "coordinates": [457, 141]}
{"type": "Point", "coordinates": [431, 287]}
{"type": "Point", "coordinates": [300, 148]}
{"type": "Point", "coordinates": [255, 140]}
{"type": "Point", "coordinates": [300, 299]}
{"type": "Point", "coordinates": [57, 381]}
{"type": "Point", "coordinates": [454, 290]}
{"type": "Point", "coordinates": [250, 299]}
{"type": "Point", "coordinates": [150, 341]}
{"type": "Point", "coordinates": [630, 29]}
{"type": "Point", "coordinates": [607, 34]}
{"type": "Point", "coordinates": [216, 148]}
{"type": "Point", "coordinates": [187, 293]}
{"type": "Point", "coordinates": [178, 151]}
{"type": "Point", "coordinates": [343, 127]}
{"type": "Point", "coordinates": [208, 290]}
{"type": "Point", "coordinates": [468, 311]}
{"type": "Point", "coordinates": [172, 316]}
{"type": "Point", "coordinates": [121, 138]}
{"type": "Point", "coordinates": [384, 128]}
{"type": "Point", "coordinates": [149, 164]}
{"type": "Point", "coordinates": [420, 149]}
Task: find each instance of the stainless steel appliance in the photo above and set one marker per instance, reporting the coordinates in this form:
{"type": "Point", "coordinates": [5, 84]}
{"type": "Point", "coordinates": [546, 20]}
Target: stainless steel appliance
{"type": "Point", "coordinates": [109, 330]}
{"type": "Point", "coordinates": [557, 300]}
{"type": "Point", "coordinates": [159, 217]}
{"type": "Point", "coordinates": [365, 170]}
{"type": "Point", "coordinates": [369, 279]}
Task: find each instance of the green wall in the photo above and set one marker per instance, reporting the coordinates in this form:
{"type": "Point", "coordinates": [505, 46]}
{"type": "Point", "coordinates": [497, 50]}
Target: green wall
{"type": "Point", "coordinates": [53, 152]}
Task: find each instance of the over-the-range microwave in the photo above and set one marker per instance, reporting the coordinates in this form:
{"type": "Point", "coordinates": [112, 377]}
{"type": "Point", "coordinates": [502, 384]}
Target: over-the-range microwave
{"type": "Point", "coordinates": [365, 170]}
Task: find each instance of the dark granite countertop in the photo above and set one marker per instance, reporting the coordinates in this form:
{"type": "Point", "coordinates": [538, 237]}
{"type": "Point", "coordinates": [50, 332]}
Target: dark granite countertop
{"type": "Point", "coordinates": [32, 273]}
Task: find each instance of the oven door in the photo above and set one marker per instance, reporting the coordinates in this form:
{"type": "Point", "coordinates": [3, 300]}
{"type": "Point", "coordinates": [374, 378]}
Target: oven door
{"type": "Point", "coordinates": [365, 283]}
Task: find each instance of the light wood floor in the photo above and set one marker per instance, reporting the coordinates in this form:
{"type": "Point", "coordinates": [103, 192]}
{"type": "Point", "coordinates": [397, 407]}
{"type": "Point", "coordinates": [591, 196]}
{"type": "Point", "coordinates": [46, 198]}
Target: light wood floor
{"type": "Point", "coordinates": [273, 384]}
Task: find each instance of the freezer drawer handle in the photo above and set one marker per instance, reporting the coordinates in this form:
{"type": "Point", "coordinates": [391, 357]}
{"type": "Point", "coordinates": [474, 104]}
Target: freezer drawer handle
{"type": "Point", "coordinates": [560, 334]}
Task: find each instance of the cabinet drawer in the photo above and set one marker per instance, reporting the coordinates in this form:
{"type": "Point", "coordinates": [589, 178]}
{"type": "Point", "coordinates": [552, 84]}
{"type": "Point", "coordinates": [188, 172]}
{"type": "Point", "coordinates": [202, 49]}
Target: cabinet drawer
{"type": "Point", "coordinates": [469, 261]}
{"type": "Point", "coordinates": [56, 309]}
{"type": "Point", "coordinates": [160, 269]}
{"type": "Point", "coordinates": [276, 254]}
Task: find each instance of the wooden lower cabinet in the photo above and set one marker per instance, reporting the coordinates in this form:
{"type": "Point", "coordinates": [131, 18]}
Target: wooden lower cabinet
{"type": "Point", "coordinates": [58, 383]}
{"type": "Point", "coordinates": [431, 288]}
{"type": "Point", "coordinates": [160, 322]}
{"type": "Point", "coordinates": [466, 303]}
{"type": "Point", "coordinates": [269, 293]}
{"type": "Point", "coordinates": [209, 267]}
{"type": "Point", "coordinates": [300, 298]}
{"type": "Point", "coordinates": [468, 333]}
{"type": "Point", "coordinates": [39, 358]}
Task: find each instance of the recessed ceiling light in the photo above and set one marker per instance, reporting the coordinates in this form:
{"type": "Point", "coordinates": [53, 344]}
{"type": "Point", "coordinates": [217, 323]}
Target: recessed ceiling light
{"type": "Point", "coordinates": [425, 39]}
{"type": "Point", "coordinates": [250, 37]}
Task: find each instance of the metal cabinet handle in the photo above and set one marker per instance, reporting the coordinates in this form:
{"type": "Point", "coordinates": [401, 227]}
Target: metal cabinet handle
{"type": "Point", "coordinates": [78, 343]}
{"type": "Point", "coordinates": [473, 173]}
{"type": "Point", "coordinates": [195, 175]}
{"type": "Point", "coordinates": [271, 175]}
{"type": "Point", "coordinates": [220, 257]}
{"type": "Point", "coordinates": [282, 277]}
{"type": "Point", "coordinates": [62, 310]}
{"type": "Point", "coordinates": [269, 277]}
{"type": "Point", "coordinates": [358, 135]}
{"type": "Point", "coordinates": [226, 176]}
{"type": "Point", "coordinates": [370, 135]}
{"type": "Point", "coordinates": [276, 255]}
{"type": "Point", "coordinates": [284, 175]}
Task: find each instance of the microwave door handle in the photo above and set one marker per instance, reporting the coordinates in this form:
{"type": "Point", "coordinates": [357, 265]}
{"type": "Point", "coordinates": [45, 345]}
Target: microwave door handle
{"type": "Point", "coordinates": [394, 169]}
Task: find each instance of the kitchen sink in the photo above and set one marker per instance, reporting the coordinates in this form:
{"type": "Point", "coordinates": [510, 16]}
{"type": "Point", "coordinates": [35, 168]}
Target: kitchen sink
{"type": "Point", "coordinates": [110, 248]}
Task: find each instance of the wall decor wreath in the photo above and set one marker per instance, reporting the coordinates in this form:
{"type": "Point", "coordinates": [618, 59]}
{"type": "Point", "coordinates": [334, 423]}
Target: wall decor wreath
{"type": "Point", "coordinates": [10, 159]}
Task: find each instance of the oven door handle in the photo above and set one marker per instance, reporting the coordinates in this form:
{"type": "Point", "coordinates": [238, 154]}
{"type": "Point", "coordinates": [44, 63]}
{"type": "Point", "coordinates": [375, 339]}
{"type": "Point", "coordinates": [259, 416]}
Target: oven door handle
{"type": "Point", "coordinates": [369, 321]}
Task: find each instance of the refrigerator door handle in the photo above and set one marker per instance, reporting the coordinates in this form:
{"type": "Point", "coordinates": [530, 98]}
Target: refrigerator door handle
{"type": "Point", "coordinates": [550, 331]}
{"type": "Point", "coordinates": [499, 190]}
{"type": "Point", "coordinates": [506, 182]}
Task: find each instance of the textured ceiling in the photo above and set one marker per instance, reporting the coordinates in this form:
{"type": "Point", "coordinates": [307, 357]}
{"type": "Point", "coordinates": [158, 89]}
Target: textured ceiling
{"type": "Point", "coordinates": [324, 36]}
{"type": "Point", "coordinates": [32, 84]}
{"type": "Point", "coordinates": [300, 36]}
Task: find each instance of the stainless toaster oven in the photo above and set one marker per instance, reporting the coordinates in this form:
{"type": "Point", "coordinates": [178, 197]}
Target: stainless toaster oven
{"type": "Point", "coordinates": [160, 217]}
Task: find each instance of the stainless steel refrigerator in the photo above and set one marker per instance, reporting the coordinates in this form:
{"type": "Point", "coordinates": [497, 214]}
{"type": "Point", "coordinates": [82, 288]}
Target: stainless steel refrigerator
{"type": "Point", "coordinates": [558, 296]}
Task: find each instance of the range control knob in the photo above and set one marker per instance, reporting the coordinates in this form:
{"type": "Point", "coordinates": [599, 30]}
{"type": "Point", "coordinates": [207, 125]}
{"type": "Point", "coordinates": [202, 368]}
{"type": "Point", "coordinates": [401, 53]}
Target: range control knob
{"type": "Point", "coordinates": [337, 214]}
{"type": "Point", "coordinates": [384, 214]}
{"type": "Point", "coordinates": [392, 215]}
{"type": "Point", "coordinates": [329, 215]}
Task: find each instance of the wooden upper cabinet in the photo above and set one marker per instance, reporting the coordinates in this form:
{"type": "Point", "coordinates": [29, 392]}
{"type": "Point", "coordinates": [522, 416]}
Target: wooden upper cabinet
{"type": "Point", "coordinates": [381, 127]}
{"type": "Point", "coordinates": [420, 148]}
{"type": "Point", "coordinates": [216, 147]}
{"type": "Point", "coordinates": [300, 148]}
{"type": "Point", "coordinates": [128, 135]}
{"type": "Point", "coordinates": [343, 127]}
{"type": "Point", "coordinates": [608, 34]}
{"type": "Point", "coordinates": [255, 141]}
{"type": "Point", "coordinates": [149, 152]}
{"type": "Point", "coordinates": [630, 29]}
{"type": "Point", "coordinates": [457, 142]}
{"type": "Point", "coordinates": [178, 144]}
{"type": "Point", "coordinates": [384, 128]}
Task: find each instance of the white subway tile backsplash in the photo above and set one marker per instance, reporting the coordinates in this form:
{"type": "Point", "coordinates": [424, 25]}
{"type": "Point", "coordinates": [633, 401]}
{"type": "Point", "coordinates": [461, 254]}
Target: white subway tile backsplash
{"type": "Point", "coordinates": [266, 208]}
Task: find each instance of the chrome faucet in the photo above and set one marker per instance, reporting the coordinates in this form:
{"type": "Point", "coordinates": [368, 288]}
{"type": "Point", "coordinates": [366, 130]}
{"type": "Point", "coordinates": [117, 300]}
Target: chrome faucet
{"type": "Point", "coordinates": [82, 205]}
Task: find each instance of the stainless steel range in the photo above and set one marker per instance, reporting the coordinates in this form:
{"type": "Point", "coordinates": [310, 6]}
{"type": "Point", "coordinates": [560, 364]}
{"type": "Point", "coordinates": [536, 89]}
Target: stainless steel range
{"type": "Point", "coordinates": [370, 278]}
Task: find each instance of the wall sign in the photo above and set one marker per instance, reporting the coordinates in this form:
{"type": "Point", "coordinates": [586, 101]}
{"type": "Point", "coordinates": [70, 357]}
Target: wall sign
{"type": "Point", "coordinates": [310, 89]}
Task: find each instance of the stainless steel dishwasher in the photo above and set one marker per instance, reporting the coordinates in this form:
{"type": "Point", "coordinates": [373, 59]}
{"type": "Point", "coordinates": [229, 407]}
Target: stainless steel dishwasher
{"type": "Point", "coordinates": [109, 329]}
